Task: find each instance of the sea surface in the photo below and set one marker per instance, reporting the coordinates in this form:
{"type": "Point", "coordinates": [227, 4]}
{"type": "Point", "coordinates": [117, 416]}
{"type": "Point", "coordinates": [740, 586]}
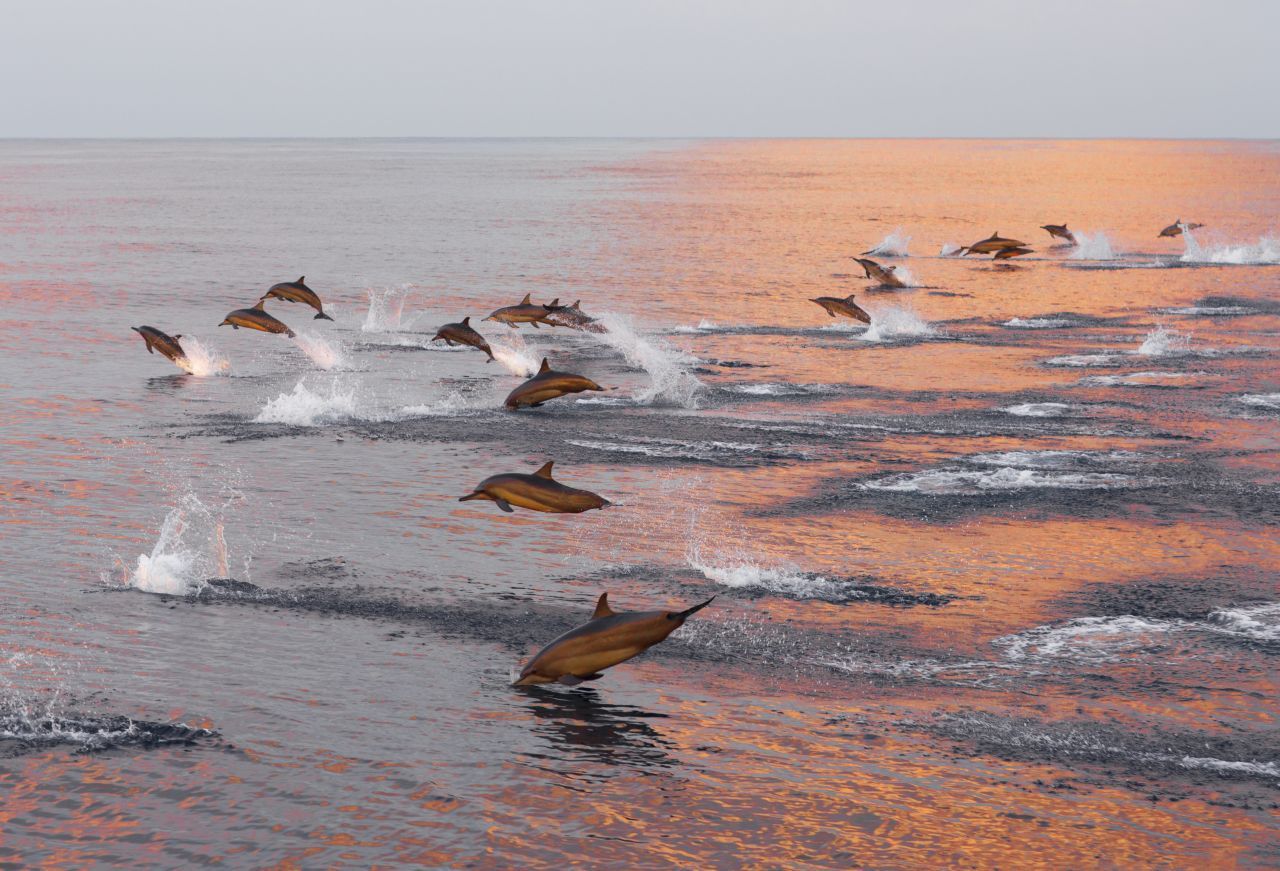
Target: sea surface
{"type": "Point", "coordinates": [997, 577]}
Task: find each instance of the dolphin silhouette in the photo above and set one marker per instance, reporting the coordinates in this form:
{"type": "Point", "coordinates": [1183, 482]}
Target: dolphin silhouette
{"type": "Point", "coordinates": [256, 318]}
{"type": "Point", "coordinates": [297, 291]}
{"type": "Point", "coordinates": [164, 343]}
{"type": "Point", "coordinates": [537, 492]}
{"type": "Point", "coordinates": [526, 312]}
{"type": "Point", "coordinates": [842, 307]}
{"type": "Point", "coordinates": [462, 333]}
{"type": "Point", "coordinates": [1059, 231]}
{"type": "Point", "coordinates": [547, 385]}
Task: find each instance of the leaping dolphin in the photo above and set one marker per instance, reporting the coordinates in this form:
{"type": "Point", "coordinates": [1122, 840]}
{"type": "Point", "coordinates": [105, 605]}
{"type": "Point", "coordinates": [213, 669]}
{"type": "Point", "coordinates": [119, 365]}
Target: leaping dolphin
{"type": "Point", "coordinates": [572, 317]}
{"type": "Point", "coordinates": [297, 291]}
{"type": "Point", "coordinates": [537, 492]}
{"type": "Point", "coordinates": [992, 244]}
{"type": "Point", "coordinates": [1010, 253]}
{"type": "Point", "coordinates": [164, 343]}
{"type": "Point", "coordinates": [526, 312]}
{"type": "Point", "coordinates": [605, 640]}
{"type": "Point", "coordinates": [462, 333]}
{"type": "Point", "coordinates": [256, 318]}
{"type": "Point", "coordinates": [1059, 231]}
{"type": "Point", "coordinates": [843, 307]}
{"type": "Point", "coordinates": [547, 385]}
{"type": "Point", "coordinates": [883, 276]}
{"type": "Point", "coordinates": [1176, 228]}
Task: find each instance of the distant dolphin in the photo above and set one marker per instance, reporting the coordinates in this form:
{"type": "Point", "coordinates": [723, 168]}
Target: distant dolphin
{"type": "Point", "coordinates": [547, 385]}
{"type": "Point", "coordinates": [297, 291]}
{"type": "Point", "coordinates": [1175, 229]}
{"type": "Point", "coordinates": [256, 318]}
{"type": "Point", "coordinates": [881, 275]}
{"type": "Point", "coordinates": [845, 307]}
{"type": "Point", "coordinates": [572, 317]}
{"type": "Point", "coordinates": [537, 492]}
{"type": "Point", "coordinates": [1059, 231]}
{"type": "Point", "coordinates": [462, 333]}
{"type": "Point", "coordinates": [1009, 253]}
{"type": "Point", "coordinates": [607, 639]}
{"type": "Point", "coordinates": [162, 342]}
{"type": "Point", "coordinates": [992, 244]}
{"type": "Point", "coordinates": [525, 313]}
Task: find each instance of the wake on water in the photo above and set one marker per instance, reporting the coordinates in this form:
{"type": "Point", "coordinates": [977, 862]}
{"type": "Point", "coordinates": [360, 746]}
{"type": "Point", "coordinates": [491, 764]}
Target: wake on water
{"type": "Point", "coordinates": [190, 549]}
{"type": "Point", "coordinates": [896, 322]}
{"type": "Point", "coordinates": [670, 380]}
{"type": "Point", "coordinates": [202, 361]}
{"type": "Point", "coordinates": [1265, 251]}
{"type": "Point", "coordinates": [514, 355]}
{"type": "Point", "coordinates": [1092, 246]}
{"type": "Point", "coordinates": [893, 245]}
{"type": "Point", "coordinates": [323, 352]}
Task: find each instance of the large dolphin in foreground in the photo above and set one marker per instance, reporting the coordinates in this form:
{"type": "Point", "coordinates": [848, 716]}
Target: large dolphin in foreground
{"type": "Point", "coordinates": [607, 639]}
{"type": "Point", "coordinates": [1059, 231]}
{"type": "Point", "coordinates": [882, 276]}
{"type": "Point", "coordinates": [462, 333]}
{"type": "Point", "coordinates": [256, 318]}
{"type": "Point", "coordinates": [537, 492]}
{"type": "Point", "coordinates": [297, 291]}
{"type": "Point", "coordinates": [162, 342]}
{"type": "Point", "coordinates": [547, 385]}
{"type": "Point", "coordinates": [843, 307]}
{"type": "Point", "coordinates": [992, 244]}
{"type": "Point", "coordinates": [526, 312]}
{"type": "Point", "coordinates": [1176, 228]}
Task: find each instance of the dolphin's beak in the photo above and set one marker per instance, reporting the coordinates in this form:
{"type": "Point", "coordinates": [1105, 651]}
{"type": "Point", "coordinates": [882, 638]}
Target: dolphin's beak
{"type": "Point", "coordinates": [224, 323]}
{"type": "Point", "coordinates": [689, 612]}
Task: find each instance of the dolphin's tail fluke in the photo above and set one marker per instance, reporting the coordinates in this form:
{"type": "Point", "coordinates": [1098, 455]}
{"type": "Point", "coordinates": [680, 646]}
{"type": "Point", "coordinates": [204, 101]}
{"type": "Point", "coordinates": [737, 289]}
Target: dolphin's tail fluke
{"type": "Point", "coordinates": [322, 316]}
{"type": "Point", "coordinates": [689, 612]}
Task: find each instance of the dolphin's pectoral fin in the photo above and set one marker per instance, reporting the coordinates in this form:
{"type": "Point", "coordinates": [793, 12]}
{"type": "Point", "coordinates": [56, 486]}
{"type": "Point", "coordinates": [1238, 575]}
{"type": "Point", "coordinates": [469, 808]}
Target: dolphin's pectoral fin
{"type": "Point", "coordinates": [536, 405]}
{"type": "Point", "coordinates": [596, 676]}
{"type": "Point", "coordinates": [535, 324]}
{"type": "Point", "coordinates": [572, 680]}
{"type": "Point", "coordinates": [503, 504]}
{"type": "Point", "coordinates": [513, 326]}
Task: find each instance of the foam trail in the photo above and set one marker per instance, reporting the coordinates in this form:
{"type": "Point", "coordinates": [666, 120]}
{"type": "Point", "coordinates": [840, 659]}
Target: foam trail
{"type": "Point", "coordinates": [1038, 409]}
{"type": "Point", "coordinates": [1265, 251]}
{"type": "Point", "coordinates": [190, 548]}
{"type": "Point", "coordinates": [1164, 342]}
{"type": "Point", "coordinates": [671, 382]}
{"type": "Point", "coordinates": [386, 309]}
{"type": "Point", "coordinates": [202, 361]}
{"type": "Point", "coordinates": [514, 355]}
{"type": "Point", "coordinates": [893, 245]}
{"type": "Point", "coordinates": [893, 322]}
{"type": "Point", "coordinates": [744, 573]}
{"type": "Point", "coordinates": [305, 407]}
{"type": "Point", "coordinates": [1261, 400]}
{"type": "Point", "coordinates": [325, 354]}
{"type": "Point", "coordinates": [1092, 246]}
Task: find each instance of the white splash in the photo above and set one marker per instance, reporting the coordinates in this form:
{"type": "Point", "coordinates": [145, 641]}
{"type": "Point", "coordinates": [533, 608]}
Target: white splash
{"type": "Point", "coordinates": [324, 353]}
{"type": "Point", "coordinates": [1261, 400]}
{"type": "Point", "coordinates": [1256, 623]}
{"type": "Point", "coordinates": [1265, 251]}
{"type": "Point", "coordinates": [202, 361]}
{"type": "Point", "coordinates": [304, 407]}
{"type": "Point", "coordinates": [450, 404]}
{"type": "Point", "coordinates": [1140, 379]}
{"type": "Point", "coordinates": [1079, 361]}
{"type": "Point", "coordinates": [894, 322]}
{"type": "Point", "coordinates": [1085, 638]}
{"type": "Point", "coordinates": [949, 249]}
{"type": "Point", "coordinates": [893, 245]}
{"type": "Point", "coordinates": [1092, 246]}
{"type": "Point", "coordinates": [1038, 323]}
{"type": "Point", "coordinates": [1163, 342]}
{"type": "Point", "coordinates": [1039, 409]}
{"type": "Point", "coordinates": [189, 550]}
{"type": "Point", "coordinates": [779, 389]}
{"type": "Point", "coordinates": [514, 355]}
{"type": "Point", "coordinates": [703, 326]}
{"type": "Point", "coordinates": [967, 482]}
{"type": "Point", "coordinates": [671, 381]}
{"type": "Point", "coordinates": [743, 572]}
{"type": "Point", "coordinates": [386, 309]}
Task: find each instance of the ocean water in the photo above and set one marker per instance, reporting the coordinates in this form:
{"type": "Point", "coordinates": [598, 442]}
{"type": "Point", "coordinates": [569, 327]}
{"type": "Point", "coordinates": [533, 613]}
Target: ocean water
{"type": "Point", "coordinates": [997, 576]}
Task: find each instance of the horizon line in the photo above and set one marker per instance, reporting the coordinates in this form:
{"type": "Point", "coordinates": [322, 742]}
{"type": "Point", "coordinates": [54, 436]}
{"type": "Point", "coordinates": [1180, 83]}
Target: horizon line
{"type": "Point", "coordinates": [640, 138]}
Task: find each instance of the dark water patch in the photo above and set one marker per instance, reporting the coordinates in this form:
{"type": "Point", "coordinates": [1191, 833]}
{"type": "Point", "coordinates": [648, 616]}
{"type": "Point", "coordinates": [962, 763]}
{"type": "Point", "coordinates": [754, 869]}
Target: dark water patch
{"type": "Point", "coordinates": [1190, 598]}
{"type": "Point", "coordinates": [579, 725]}
{"type": "Point", "coordinates": [23, 732]}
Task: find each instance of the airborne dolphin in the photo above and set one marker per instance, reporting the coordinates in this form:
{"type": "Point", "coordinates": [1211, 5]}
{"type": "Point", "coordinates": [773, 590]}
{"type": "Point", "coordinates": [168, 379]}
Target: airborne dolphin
{"type": "Point", "coordinates": [526, 312]}
{"type": "Point", "coordinates": [607, 639]}
{"type": "Point", "coordinates": [992, 244]}
{"type": "Point", "coordinates": [547, 385]}
{"type": "Point", "coordinates": [1011, 252]}
{"type": "Point", "coordinates": [572, 317]}
{"type": "Point", "coordinates": [297, 291]}
{"type": "Point", "coordinates": [537, 492]}
{"type": "Point", "coordinates": [1059, 231]}
{"type": "Point", "coordinates": [846, 307]}
{"type": "Point", "coordinates": [881, 275]}
{"type": "Point", "coordinates": [256, 318]}
{"type": "Point", "coordinates": [462, 333]}
{"type": "Point", "coordinates": [1176, 228]}
{"type": "Point", "coordinates": [157, 341]}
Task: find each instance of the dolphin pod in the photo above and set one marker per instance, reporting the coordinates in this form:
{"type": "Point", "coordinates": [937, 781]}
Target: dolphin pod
{"type": "Point", "coordinates": [548, 384]}
{"type": "Point", "coordinates": [166, 344]}
{"type": "Point", "coordinates": [881, 275]}
{"type": "Point", "coordinates": [537, 492]}
{"type": "Point", "coordinates": [462, 333]}
{"type": "Point", "coordinates": [256, 318]}
{"type": "Point", "coordinates": [1176, 228]}
{"type": "Point", "coordinates": [846, 307]}
{"type": "Point", "coordinates": [608, 638]}
{"type": "Point", "coordinates": [1059, 231]}
{"type": "Point", "coordinates": [297, 291]}
{"type": "Point", "coordinates": [526, 312]}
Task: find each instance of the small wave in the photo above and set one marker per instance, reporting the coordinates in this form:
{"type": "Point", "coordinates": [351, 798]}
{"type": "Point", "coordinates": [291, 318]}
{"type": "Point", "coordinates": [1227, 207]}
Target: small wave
{"type": "Point", "coordinates": [1092, 246]}
{"type": "Point", "coordinates": [202, 361]}
{"type": "Point", "coordinates": [1038, 323]}
{"type": "Point", "coordinates": [1209, 311]}
{"type": "Point", "coordinates": [1055, 459]}
{"type": "Point", "coordinates": [704, 326]}
{"type": "Point", "coordinates": [451, 404]}
{"type": "Point", "coordinates": [670, 380]}
{"type": "Point", "coordinates": [893, 245]}
{"type": "Point", "coordinates": [1257, 623]}
{"type": "Point", "coordinates": [303, 406]}
{"type": "Point", "coordinates": [895, 322]}
{"type": "Point", "coordinates": [323, 352]}
{"type": "Point", "coordinates": [1039, 409]}
{"type": "Point", "coordinates": [676, 449]}
{"type": "Point", "coordinates": [1081, 361]}
{"type": "Point", "coordinates": [1261, 400]}
{"type": "Point", "coordinates": [1163, 342]}
{"type": "Point", "coordinates": [1139, 379]}
{"type": "Point", "coordinates": [778, 389]}
{"type": "Point", "coordinates": [36, 731]}
{"type": "Point", "coordinates": [967, 482]}
{"type": "Point", "coordinates": [1263, 252]}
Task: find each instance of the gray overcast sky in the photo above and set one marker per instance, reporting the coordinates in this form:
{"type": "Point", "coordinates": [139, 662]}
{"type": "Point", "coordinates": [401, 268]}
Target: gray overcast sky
{"type": "Point", "coordinates": [641, 68]}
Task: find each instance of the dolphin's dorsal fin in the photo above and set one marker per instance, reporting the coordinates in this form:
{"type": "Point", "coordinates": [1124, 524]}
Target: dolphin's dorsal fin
{"type": "Point", "coordinates": [995, 235]}
{"type": "Point", "coordinates": [262, 304]}
{"type": "Point", "coordinates": [466, 322]}
{"type": "Point", "coordinates": [849, 298]}
{"type": "Point", "coordinates": [576, 303]}
{"type": "Point", "coordinates": [553, 304]}
{"type": "Point", "coordinates": [302, 279]}
{"type": "Point", "coordinates": [525, 301]}
{"type": "Point", "coordinates": [602, 608]}
{"type": "Point", "coordinates": [545, 471]}
{"type": "Point", "coordinates": [545, 367]}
